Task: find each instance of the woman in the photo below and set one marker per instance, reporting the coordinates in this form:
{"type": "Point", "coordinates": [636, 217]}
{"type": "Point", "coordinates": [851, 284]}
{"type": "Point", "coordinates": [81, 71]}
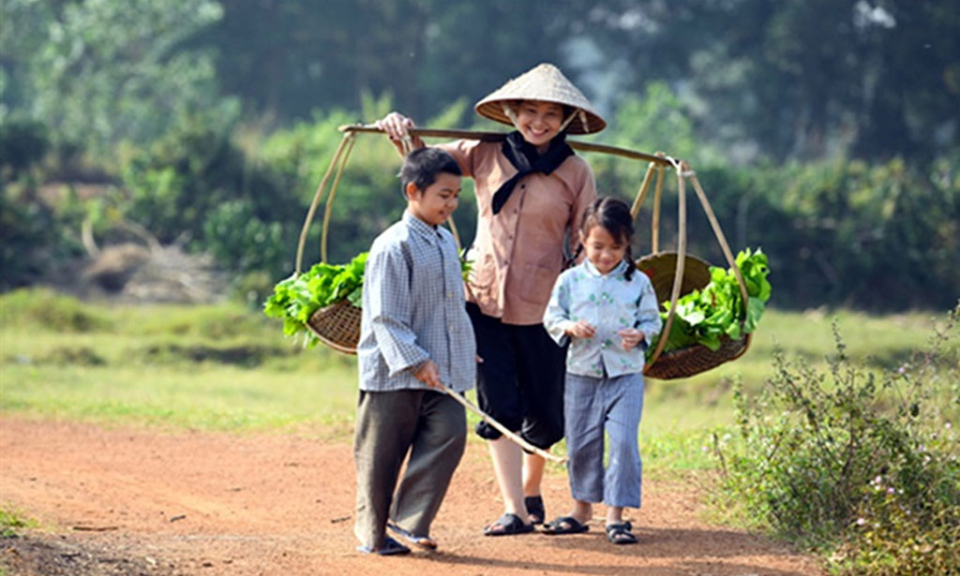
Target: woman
{"type": "Point", "coordinates": [531, 192]}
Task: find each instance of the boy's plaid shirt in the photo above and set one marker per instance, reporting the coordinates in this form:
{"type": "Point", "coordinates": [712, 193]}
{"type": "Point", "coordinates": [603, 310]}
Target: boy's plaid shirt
{"type": "Point", "coordinates": [413, 310]}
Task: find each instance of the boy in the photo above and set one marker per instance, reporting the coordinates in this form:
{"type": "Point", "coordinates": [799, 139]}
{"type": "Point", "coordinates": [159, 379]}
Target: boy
{"type": "Point", "coordinates": [414, 336]}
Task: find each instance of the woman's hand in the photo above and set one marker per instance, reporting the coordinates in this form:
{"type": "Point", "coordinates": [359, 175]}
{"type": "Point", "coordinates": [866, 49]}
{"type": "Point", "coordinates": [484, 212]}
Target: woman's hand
{"type": "Point", "coordinates": [580, 329]}
{"type": "Point", "coordinates": [630, 337]}
{"type": "Point", "coordinates": [395, 125]}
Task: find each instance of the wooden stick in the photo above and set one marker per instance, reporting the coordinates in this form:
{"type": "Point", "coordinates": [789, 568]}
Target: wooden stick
{"type": "Point", "coordinates": [506, 432]}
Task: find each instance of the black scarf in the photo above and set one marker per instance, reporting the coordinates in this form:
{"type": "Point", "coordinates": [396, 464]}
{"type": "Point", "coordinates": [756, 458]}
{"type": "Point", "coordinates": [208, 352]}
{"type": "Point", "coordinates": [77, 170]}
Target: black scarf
{"type": "Point", "coordinates": [526, 160]}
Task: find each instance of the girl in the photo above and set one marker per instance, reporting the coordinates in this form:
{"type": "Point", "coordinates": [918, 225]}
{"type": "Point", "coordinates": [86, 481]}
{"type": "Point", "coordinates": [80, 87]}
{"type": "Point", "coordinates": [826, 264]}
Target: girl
{"type": "Point", "coordinates": [609, 313]}
{"type": "Point", "coordinates": [531, 190]}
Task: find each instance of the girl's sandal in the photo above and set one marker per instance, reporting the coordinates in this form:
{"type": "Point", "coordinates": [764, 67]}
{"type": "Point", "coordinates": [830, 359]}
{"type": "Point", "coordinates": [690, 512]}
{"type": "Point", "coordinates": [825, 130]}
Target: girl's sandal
{"type": "Point", "coordinates": [621, 534]}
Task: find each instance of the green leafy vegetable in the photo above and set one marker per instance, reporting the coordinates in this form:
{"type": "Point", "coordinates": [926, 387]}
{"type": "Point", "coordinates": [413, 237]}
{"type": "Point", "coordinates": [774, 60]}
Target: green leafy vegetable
{"type": "Point", "coordinates": [708, 315]}
{"type": "Point", "coordinates": [295, 299]}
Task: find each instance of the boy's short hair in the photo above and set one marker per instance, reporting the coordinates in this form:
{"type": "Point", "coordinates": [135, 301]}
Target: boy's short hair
{"type": "Point", "coordinates": [422, 166]}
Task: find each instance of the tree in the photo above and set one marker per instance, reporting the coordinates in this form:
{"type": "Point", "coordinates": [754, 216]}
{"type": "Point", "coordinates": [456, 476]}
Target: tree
{"type": "Point", "coordinates": [100, 72]}
{"type": "Point", "coordinates": [799, 79]}
{"type": "Point", "coordinates": [428, 53]}
{"type": "Point", "coordinates": [288, 58]}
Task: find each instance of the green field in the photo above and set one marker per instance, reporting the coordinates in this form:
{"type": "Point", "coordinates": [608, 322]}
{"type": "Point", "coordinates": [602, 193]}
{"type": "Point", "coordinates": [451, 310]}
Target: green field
{"type": "Point", "coordinates": [229, 368]}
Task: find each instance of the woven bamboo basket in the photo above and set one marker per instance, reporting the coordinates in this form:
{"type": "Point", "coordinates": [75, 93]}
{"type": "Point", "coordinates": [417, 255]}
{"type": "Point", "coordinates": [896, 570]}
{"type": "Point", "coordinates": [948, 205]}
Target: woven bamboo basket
{"type": "Point", "coordinates": [337, 326]}
{"type": "Point", "coordinates": [693, 360]}
{"type": "Point", "coordinates": [685, 362]}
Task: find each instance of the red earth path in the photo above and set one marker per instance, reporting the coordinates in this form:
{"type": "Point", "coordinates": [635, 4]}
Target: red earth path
{"type": "Point", "coordinates": [136, 501]}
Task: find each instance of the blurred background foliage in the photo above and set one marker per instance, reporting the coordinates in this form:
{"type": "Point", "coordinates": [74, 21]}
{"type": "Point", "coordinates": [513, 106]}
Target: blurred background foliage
{"type": "Point", "coordinates": [823, 131]}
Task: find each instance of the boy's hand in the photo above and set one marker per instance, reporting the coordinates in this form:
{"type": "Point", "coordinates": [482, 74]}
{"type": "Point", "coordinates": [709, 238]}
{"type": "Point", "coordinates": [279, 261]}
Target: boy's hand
{"type": "Point", "coordinates": [630, 337]}
{"type": "Point", "coordinates": [580, 329]}
{"type": "Point", "coordinates": [429, 375]}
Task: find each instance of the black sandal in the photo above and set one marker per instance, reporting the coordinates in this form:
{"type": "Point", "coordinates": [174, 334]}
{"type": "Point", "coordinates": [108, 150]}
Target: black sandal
{"type": "Point", "coordinates": [621, 534]}
{"type": "Point", "coordinates": [535, 509]}
{"type": "Point", "coordinates": [508, 525]}
{"type": "Point", "coordinates": [390, 548]}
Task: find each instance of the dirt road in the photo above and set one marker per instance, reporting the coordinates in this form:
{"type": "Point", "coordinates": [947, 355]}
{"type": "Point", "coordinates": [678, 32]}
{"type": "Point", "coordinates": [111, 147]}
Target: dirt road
{"type": "Point", "coordinates": [130, 501]}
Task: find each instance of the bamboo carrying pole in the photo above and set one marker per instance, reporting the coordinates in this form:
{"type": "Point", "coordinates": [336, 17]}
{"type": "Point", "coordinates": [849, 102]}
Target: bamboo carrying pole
{"type": "Point", "coordinates": [498, 136]}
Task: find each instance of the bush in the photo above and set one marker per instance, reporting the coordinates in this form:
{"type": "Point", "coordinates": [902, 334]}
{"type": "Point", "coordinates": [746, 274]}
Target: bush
{"type": "Point", "coordinates": [237, 237]}
{"type": "Point", "coordinates": [860, 466]}
{"type": "Point", "coordinates": [33, 236]}
{"type": "Point", "coordinates": [197, 183]}
{"type": "Point", "coordinates": [23, 144]}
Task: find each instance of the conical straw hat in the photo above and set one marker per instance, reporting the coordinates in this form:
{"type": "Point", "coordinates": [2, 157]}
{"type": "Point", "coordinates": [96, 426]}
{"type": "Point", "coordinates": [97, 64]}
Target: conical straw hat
{"type": "Point", "coordinates": [547, 84]}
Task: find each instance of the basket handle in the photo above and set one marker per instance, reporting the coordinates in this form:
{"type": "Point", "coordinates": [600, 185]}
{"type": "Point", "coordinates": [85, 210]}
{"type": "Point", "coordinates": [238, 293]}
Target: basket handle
{"type": "Point", "coordinates": [333, 194]}
{"type": "Point", "coordinates": [681, 259]}
{"type": "Point", "coordinates": [316, 200]}
{"type": "Point", "coordinates": [715, 224]}
{"type": "Point", "coordinates": [641, 196]}
{"type": "Point", "coordinates": [338, 163]}
{"type": "Point", "coordinates": [684, 172]}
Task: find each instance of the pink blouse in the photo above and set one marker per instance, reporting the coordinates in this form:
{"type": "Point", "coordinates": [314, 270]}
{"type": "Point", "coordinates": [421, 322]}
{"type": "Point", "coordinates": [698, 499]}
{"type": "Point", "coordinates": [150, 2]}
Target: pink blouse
{"type": "Point", "coordinates": [518, 253]}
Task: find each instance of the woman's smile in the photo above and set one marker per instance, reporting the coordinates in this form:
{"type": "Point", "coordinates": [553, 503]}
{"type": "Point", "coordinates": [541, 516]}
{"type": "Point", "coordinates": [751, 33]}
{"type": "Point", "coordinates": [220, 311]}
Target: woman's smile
{"type": "Point", "coordinates": [539, 122]}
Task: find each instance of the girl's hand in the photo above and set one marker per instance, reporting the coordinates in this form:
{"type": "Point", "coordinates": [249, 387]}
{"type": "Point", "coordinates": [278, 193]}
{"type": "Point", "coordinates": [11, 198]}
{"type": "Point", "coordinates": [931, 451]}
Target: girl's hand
{"type": "Point", "coordinates": [580, 329]}
{"type": "Point", "coordinates": [630, 337]}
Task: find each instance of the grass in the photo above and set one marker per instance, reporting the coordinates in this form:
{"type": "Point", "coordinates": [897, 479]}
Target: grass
{"type": "Point", "coordinates": [11, 522]}
{"type": "Point", "coordinates": [229, 368]}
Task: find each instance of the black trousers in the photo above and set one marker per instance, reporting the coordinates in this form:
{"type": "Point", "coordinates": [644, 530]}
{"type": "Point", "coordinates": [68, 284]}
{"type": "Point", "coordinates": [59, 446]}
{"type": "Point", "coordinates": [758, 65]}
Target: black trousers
{"type": "Point", "coordinates": [520, 381]}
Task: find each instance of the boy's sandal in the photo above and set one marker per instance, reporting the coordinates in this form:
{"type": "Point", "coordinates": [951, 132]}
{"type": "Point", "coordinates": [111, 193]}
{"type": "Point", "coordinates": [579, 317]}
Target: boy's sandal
{"type": "Point", "coordinates": [621, 534]}
{"type": "Point", "coordinates": [508, 525]}
{"type": "Point", "coordinates": [565, 525]}
{"type": "Point", "coordinates": [424, 542]}
{"type": "Point", "coordinates": [535, 509]}
{"type": "Point", "coordinates": [390, 548]}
